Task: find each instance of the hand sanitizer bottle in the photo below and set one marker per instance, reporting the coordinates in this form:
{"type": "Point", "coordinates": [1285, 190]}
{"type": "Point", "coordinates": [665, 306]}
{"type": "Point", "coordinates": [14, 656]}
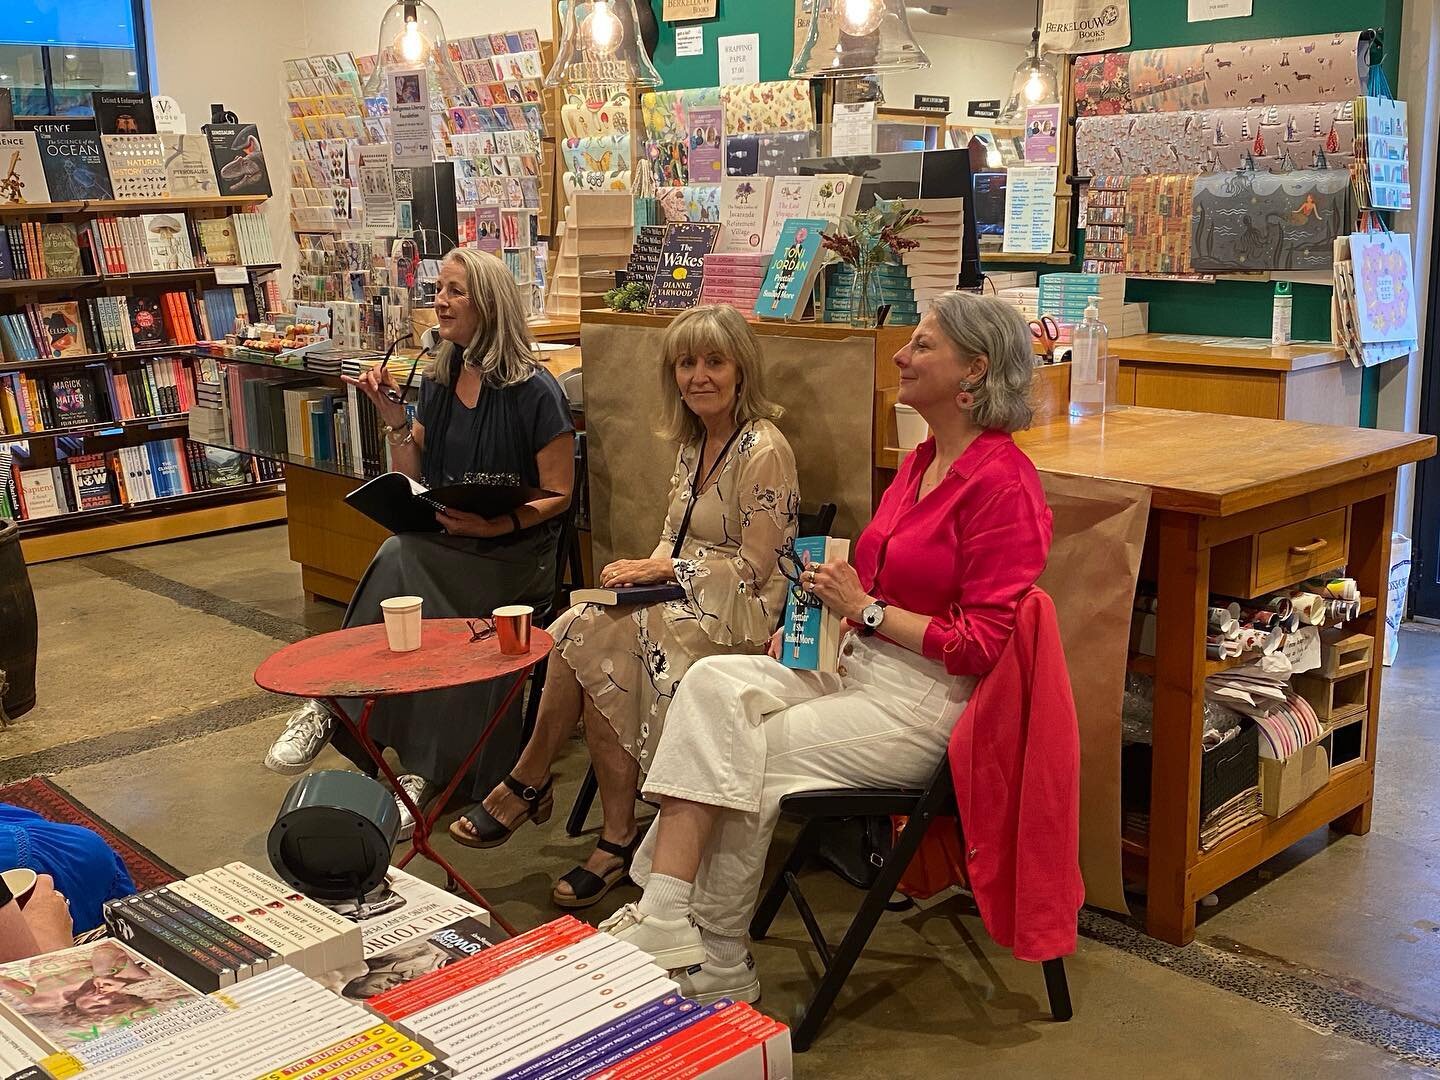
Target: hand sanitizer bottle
{"type": "Point", "coordinates": [1093, 375]}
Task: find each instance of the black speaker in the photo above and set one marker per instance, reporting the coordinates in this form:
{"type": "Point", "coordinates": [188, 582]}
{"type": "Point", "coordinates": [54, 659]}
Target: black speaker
{"type": "Point", "coordinates": [333, 836]}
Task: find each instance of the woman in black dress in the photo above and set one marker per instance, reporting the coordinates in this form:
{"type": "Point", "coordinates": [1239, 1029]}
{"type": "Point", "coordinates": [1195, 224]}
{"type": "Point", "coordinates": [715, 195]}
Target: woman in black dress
{"type": "Point", "coordinates": [487, 412]}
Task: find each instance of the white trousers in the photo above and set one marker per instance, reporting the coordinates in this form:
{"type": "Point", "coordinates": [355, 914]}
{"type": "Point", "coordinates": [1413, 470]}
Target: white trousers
{"type": "Point", "coordinates": [743, 731]}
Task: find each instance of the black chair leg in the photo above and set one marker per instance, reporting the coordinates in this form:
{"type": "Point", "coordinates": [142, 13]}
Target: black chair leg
{"type": "Point", "coordinates": [532, 700]}
{"type": "Point", "coordinates": [769, 905]}
{"type": "Point", "coordinates": [808, 1024]}
{"type": "Point", "coordinates": [1058, 990]}
{"type": "Point", "coordinates": [584, 798]}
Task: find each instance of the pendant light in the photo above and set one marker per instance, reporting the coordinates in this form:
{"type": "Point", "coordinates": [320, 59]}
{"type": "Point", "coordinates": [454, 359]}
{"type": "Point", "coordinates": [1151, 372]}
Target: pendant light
{"type": "Point", "coordinates": [1035, 81]}
{"type": "Point", "coordinates": [600, 45]}
{"type": "Point", "coordinates": [857, 37]}
{"type": "Point", "coordinates": [412, 36]}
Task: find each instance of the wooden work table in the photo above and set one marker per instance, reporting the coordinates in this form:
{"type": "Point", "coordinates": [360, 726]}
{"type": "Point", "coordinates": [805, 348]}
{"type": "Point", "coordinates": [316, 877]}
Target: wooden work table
{"type": "Point", "coordinates": [1310, 382]}
{"type": "Point", "coordinates": [1220, 492]}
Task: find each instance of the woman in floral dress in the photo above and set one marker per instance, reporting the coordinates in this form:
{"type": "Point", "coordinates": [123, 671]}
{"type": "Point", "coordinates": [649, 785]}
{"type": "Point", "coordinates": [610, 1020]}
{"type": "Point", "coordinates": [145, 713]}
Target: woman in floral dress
{"type": "Point", "coordinates": [622, 664]}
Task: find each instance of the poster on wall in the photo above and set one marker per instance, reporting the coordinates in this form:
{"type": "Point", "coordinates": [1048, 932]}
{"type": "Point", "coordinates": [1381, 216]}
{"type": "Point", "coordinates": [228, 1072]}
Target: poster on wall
{"type": "Point", "coordinates": [1078, 26]}
{"type": "Point", "coordinates": [1030, 210]}
{"type": "Point", "coordinates": [1208, 10]}
{"type": "Point", "coordinates": [1042, 135]}
{"type": "Point", "coordinates": [410, 117]}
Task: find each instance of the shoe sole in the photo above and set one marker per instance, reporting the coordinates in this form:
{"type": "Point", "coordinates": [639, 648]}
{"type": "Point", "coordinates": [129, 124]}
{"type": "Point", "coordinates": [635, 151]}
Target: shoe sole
{"type": "Point", "coordinates": [682, 956]}
{"type": "Point", "coordinates": [748, 994]}
{"type": "Point", "coordinates": [287, 770]}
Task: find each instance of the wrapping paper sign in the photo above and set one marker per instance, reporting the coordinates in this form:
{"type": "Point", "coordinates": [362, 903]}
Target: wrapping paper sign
{"type": "Point", "coordinates": [1279, 71]}
{"type": "Point", "coordinates": [1265, 221]}
{"type": "Point", "coordinates": [1270, 138]}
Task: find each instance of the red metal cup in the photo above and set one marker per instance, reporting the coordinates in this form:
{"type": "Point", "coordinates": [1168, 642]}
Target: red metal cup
{"type": "Point", "coordinates": [512, 628]}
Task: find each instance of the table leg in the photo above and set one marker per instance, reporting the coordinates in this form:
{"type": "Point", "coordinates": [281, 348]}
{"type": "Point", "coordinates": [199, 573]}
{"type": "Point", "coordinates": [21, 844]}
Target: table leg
{"type": "Point", "coordinates": [420, 840]}
{"type": "Point", "coordinates": [1183, 589]}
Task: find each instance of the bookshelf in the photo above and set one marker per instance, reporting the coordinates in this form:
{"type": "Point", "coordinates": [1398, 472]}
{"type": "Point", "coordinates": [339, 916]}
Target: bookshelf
{"type": "Point", "coordinates": [79, 413]}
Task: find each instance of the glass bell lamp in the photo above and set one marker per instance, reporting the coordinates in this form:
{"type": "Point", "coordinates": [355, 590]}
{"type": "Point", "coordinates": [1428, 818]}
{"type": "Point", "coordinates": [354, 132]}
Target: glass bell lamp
{"type": "Point", "coordinates": [857, 37]}
{"type": "Point", "coordinates": [412, 36]}
{"type": "Point", "coordinates": [1035, 83]}
{"type": "Point", "coordinates": [600, 44]}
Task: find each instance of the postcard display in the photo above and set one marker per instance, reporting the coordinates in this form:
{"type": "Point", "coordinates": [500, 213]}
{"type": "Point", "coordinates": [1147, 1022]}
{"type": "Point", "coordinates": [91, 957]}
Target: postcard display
{"type": "Point", "coordinates": [1233, 156]}
{"type": "Point", "coordinates": [353, 200]}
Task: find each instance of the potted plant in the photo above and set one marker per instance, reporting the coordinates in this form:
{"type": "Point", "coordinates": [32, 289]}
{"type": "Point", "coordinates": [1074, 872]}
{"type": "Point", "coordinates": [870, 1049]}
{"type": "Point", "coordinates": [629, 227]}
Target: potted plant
{"type": "Point", "coordinates": [867, 240]}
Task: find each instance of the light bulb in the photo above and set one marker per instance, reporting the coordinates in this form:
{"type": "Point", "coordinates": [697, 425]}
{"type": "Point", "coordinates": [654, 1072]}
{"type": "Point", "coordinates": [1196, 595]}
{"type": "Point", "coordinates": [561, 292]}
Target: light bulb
{"type": "Point", "coordinates": [1034, 86]}
{"type": "Point", "coordinates": [603, 27]}
{"type": "Point", "coordinates": [860, 17]}
{"type": "Point", "coordinates": [412, 45]}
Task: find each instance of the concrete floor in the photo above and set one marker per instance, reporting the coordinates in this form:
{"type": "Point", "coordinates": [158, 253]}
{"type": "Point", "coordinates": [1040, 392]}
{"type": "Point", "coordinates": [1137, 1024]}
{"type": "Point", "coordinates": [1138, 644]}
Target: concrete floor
{"type": "Point", "coordinates": [1324, 963]}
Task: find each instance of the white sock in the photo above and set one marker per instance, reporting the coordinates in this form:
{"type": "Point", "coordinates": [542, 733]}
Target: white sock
{"type": "Point", "coordinates": [724, 950]}
{"type": "Point", "coordinates": [666, 897]}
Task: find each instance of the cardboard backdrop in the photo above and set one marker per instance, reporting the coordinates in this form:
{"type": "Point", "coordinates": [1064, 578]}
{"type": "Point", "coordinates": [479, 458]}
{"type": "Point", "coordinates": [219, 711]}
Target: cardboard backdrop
{"type": "Point", "coordinates": [1094, 559]}
{"type": "Point", "coordinates": [827, 389]}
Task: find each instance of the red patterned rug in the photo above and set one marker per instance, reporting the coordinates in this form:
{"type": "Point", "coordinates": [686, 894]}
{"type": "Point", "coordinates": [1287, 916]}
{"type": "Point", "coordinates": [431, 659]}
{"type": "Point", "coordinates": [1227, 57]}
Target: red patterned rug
{"type": "Point", "coordinates": [56, 804]}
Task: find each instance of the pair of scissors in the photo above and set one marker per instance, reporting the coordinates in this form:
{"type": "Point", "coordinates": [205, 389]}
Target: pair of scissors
{"type": "Point", "coordinates": [1046, 331]}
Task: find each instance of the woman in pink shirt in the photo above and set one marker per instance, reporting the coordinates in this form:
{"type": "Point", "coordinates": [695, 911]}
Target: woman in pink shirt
{"type": "Point", "coordinates": [960, 535]}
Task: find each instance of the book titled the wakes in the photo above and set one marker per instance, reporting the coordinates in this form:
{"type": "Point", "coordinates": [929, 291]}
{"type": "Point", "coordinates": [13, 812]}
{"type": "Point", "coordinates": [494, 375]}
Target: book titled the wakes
{"type": "Point", "coordinates": [681, 269]}
{"type": "Point", "coordinates": [790, 280]}
{"type": "Point", "coordinates": [811, 638]}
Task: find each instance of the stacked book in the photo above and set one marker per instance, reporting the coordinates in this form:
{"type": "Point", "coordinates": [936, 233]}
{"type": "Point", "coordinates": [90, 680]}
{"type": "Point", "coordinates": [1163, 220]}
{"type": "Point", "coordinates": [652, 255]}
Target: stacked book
{"type": "Point", "coordinates": [1064, 297]}
{"type": "Point", "coordinates": [734, 278]}
{"type": "Point", "coordinates": [644, 257]}
{"type": "Point", "coordinates": [568, 1000]}
{"type": "Point", "coordinates": [895, 288]}
{"type": "Point", "coordinates": [227, 925]}
{"type": "Point", "coordinates": [934, 266]}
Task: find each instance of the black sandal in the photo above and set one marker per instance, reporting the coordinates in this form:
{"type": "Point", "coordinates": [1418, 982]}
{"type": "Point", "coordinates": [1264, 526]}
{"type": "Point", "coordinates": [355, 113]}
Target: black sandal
{"type": "Point", "coordinates": [487, 832]}
{"type": "Point", "coordinates": [590, 888]}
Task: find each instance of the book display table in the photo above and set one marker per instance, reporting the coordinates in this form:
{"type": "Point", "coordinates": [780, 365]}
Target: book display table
{"type": "Point", "coordinates": [358, 663]}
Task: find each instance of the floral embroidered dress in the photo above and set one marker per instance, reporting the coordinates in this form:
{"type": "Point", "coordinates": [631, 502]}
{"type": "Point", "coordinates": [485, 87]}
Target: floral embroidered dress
{"type": "Point", "coordinates": [630, 659]}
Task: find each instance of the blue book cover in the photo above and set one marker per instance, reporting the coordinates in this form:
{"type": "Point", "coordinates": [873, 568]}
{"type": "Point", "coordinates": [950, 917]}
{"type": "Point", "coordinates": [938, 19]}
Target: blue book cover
{"type": "Point", "coordinates": [811, 640]}
{"type": "Point", "coordinates": [790, 280]}
{"type": "Point", "coordinates": [569, 1059]}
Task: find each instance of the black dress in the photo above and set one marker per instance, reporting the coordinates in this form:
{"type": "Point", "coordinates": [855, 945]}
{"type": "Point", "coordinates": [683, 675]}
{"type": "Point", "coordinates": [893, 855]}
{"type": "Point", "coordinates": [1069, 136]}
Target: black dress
{"type": "Point", "coordinates": [464, 577]}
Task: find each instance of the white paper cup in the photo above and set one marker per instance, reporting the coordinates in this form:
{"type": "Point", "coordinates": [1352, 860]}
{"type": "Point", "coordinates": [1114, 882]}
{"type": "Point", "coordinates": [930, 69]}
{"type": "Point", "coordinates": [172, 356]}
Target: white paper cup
{"type": "Point", "coordinates": [21, 883]}
{"type": "Point", "coordinates": [402, 622]}
{"type": "Point", "coordinates": [512, 628]}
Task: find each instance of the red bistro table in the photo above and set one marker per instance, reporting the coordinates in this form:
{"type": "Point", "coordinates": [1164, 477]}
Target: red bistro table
{"type": "Point", "coordinates": [358, 663]}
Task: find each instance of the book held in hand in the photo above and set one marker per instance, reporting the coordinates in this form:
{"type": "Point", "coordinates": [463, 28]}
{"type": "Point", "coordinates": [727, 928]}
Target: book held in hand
{"type": "Point", "coordinates": [622, 595]}
{"type": "Point", "coordinates": [812, 634]}
{"type": "Point", "coordinates": [403, 505]}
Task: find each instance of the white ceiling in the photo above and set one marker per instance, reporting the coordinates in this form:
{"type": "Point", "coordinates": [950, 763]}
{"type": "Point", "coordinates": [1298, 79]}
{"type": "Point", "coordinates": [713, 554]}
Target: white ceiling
{"type": "Point", "coordinates": [991, 20]}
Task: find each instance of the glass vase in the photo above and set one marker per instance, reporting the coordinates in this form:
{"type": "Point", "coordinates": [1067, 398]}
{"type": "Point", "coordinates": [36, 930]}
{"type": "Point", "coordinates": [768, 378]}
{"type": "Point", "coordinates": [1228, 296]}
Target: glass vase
{"type": "Point", "coordinates": [864, 294]}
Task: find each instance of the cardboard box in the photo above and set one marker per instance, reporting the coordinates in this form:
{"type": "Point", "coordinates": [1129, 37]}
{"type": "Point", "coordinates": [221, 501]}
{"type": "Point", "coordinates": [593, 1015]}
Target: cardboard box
{"type": "Point", "coordinates": [1285, 784]}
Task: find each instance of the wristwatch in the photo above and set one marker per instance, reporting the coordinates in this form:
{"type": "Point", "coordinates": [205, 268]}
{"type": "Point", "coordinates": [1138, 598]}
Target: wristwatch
{"type": "Point", "coordinates": [873, 616]}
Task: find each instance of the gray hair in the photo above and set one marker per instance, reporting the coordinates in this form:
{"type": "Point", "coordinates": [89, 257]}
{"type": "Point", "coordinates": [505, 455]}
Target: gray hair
{"type": "Point", "coordinates": [987, 326]}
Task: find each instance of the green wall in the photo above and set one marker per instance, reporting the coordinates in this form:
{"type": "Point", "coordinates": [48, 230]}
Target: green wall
{"type": "Point", "coordinates": [773, 20]}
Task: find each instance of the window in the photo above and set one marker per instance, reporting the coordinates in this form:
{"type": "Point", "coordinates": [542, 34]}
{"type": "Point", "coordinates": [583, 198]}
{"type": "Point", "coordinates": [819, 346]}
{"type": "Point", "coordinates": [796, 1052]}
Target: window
{"type": "Point", "coordinates": [53, 53]}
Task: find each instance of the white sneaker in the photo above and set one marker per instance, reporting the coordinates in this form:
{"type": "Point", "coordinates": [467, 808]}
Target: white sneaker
{"type": "Point", "coordinates": [306, 733]}
{"type": "Point", "coordinates": [414, 787]}
{"type": "Point", "coordinates": [674, 943]}
{"type": "Point", "coordinates": [709, 982]}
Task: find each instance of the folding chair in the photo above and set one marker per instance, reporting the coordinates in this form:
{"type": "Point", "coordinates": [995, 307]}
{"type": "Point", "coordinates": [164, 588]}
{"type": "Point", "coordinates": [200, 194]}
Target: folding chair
{"type": "Point", "coordinates": [920, 807]}
{"type": "Point", "coordinates": [816, 524]}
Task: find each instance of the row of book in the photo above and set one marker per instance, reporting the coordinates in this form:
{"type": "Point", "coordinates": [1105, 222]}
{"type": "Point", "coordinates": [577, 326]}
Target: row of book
{"type": "Point", "coordinates": [139, 163]}
{"type": "Point", "coordinates": [128, 244]}
{"type": "Point", "coordinates": [270, 412]}
{"type": "Point", "coordinates": [126, 476]}
{"type": "Point", "coordinates": [567, 1000]}
{"type": "Point", "coordinates": [96, 394]}
{"type": "Point", "coordinates": [104, 324]}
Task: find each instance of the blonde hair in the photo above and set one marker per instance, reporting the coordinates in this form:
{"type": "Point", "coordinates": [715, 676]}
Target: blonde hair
{"type": "Point", "coordinates": [700, 331]}
{"type": "Point", "coordinates": [987, 326]}
{"type": "Point", "coordinates": [502, 348]}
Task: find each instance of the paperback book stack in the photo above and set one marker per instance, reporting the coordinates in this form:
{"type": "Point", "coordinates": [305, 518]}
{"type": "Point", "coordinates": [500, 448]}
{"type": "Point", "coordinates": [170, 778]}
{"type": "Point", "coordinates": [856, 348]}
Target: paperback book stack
{"type": "Point", "coordinates": [566, 1000]}
{"type": "Point", "coordinates": [734, 279]}
{"type": "Point", "coordinates": [227, 925]}
{"type": "Point", "coordinates": [1064, 297]}
{"type": "Point", "coordinates": [894, 290]}
{"type": "Point", "coordinates": [644, 257]}
{"type": "Point", "coordinates": [934, 266]}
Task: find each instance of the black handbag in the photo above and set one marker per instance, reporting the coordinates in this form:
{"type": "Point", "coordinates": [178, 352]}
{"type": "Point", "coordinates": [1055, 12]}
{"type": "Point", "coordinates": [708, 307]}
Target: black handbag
{"type": "Point", "coordinates": [855, 848]}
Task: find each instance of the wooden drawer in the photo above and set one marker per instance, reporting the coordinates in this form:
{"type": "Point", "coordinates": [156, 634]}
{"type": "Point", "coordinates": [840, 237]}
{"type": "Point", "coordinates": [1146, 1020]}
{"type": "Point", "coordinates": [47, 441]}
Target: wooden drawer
{"type": "Point", "coordinates": [1281, 556]}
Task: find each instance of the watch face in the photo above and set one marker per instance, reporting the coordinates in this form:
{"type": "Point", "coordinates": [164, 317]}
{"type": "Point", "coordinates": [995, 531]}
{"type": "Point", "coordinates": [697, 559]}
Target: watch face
{"type": "Point", "coordinates": [872, 615]}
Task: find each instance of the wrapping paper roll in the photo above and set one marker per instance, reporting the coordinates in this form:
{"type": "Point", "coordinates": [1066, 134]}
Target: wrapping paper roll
{"type": "Point", "coordinates": [1278, 71]}
{"type": "Point", "coordinates": [1270, 138]}
{"type": "Point", "coordinates": [1265, 221]}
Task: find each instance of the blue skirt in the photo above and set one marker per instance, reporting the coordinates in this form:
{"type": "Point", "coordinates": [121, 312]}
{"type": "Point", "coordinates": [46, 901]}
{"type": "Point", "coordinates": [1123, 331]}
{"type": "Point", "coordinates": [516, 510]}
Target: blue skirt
{"type": "Point", "coordinates": [84, 867]}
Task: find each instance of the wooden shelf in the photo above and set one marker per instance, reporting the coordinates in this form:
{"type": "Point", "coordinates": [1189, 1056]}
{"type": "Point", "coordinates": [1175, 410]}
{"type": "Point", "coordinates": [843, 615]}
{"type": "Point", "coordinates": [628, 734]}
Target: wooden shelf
{"type": "Point", "coordinates": [168, 420]}
{"type": "Point", "coordinates": [42, 284]}
{"type": "Point", "coordinates": [286, 458]}
{"type": "Point", "coordinates": [109, 206]}
{"type": "Point", "coordinates": [150, 522]}
{"type": "Point", "coordinates": [140, 278]}
{"type": "Point", "coordinates": [95, 358]}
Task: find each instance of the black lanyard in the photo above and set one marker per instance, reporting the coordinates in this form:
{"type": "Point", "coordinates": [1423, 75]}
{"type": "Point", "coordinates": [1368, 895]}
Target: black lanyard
{"type": "Point", "coordinates": [696, 484]}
